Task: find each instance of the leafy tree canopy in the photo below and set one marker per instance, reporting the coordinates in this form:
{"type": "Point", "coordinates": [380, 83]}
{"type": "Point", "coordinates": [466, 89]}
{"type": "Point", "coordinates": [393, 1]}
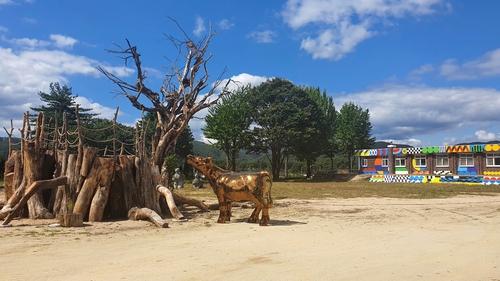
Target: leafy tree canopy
{"type": "Point", "coordinates": [287, 121]}
{"type": "Point", "coordinates": [354, 130]}
{"type": "Point", "coordinates": [228, 123]}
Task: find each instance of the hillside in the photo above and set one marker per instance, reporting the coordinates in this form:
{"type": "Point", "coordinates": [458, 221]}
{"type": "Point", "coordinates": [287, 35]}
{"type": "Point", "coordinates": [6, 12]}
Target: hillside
{"type": "Point", "coordinates": [206, 150]}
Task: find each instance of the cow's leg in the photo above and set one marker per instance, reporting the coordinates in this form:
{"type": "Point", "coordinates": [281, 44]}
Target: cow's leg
{"type": "Point", "coordinates": [222, 208]}
{"type": "Point", "coordinates": [222, 212]}
{"type": "Point", "coordinates": [265, 216]}
{"type": "Point", "coordinates": [255, 214]}
{"type": "Point", "coordinates": [228, 210]}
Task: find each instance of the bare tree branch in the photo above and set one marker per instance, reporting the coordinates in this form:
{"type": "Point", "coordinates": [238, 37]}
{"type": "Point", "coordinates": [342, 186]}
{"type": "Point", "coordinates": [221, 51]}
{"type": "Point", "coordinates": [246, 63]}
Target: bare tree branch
{"type": "Point", "coordinates": [183, 90]}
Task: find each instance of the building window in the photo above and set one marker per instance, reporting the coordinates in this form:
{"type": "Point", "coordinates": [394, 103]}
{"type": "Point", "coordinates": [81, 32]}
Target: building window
{"type": "Point", "coordinates": [364, 162]}
{"type": "Point", "coordinates": [385, 161]}
{"type": "Point", "coordinates": [466, 160]}
{"type": "Point", "coordinates": [400, 161]}
{"type": "Point", "coordinates": [442, 160]}
{"type": "Point", "coordinates": [493, 160]}
{"type": "Point", "coordinates": [420, 161]}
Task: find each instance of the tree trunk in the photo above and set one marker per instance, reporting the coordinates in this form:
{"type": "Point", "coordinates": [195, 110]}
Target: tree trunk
{"type": "Point", "coordinates": [89, 154]}
{"type": "Point", "coordinates": [170, 202]}
{"type": "Point", "coordinates": [144, 213]}
{"type": "Point", "coordinates": [33, 160]}
{"type": "Point", "coordinates": [149, 175]}
{"type": "Point", "coordinates": [35, 188]}
{"type": "Point", "coordinates": [100, 175]}
{"type": "Point", "coordinates": [99, 203]}
{"type": "Point", "coordinates": [100, 199]}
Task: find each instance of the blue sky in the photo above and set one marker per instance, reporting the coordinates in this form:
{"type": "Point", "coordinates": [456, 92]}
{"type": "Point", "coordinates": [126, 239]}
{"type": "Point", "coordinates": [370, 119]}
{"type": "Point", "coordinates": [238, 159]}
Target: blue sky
{"type": "Point", "coordinates": [427, 70]}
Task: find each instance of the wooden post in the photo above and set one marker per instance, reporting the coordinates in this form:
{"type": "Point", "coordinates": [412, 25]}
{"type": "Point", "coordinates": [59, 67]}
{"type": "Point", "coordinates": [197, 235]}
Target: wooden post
{"type": "Point", "coordinates": [392, 162]}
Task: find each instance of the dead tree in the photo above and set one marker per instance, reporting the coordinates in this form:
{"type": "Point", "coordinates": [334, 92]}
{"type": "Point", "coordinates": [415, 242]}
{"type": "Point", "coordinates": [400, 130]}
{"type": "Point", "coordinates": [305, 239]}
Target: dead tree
{"type": "Point", "coordinates": [183, 94]}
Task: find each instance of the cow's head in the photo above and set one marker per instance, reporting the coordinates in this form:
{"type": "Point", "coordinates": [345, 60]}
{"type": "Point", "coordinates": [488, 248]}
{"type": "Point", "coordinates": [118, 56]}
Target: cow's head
{"type": "Point", "coordinates": [204, 165]}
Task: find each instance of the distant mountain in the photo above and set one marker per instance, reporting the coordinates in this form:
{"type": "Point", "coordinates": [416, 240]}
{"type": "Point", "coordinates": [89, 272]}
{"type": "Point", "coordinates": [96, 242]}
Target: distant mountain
{"type": "Point", "coordinates": [479, 142]}
{"type": "Point", "coordinates": [206, 150]}
{"type": "Point", "coordinates": [4, 144]}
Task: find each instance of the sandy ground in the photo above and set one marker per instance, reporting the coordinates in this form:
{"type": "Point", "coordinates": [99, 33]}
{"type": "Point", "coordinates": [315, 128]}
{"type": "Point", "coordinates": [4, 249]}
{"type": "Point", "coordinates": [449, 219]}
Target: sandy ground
{"type": "Point", "coordinates": [338, 239]}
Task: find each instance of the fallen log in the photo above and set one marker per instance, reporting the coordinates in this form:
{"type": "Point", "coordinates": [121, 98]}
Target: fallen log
{"type": "Point", "coordinates": [30, 191]}
{"type": "Point", "coordinates": [215, 206]}
{"type": "Point", "coordinates": [170, 202]}
{"type": "Point", "coordinates": [192, 202]}
{"type": "Point", "coordinates": [144, 213]}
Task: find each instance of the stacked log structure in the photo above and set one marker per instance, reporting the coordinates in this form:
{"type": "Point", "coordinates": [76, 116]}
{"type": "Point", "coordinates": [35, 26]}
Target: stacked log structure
{"type": "Point", "coordinates": [80, 181]}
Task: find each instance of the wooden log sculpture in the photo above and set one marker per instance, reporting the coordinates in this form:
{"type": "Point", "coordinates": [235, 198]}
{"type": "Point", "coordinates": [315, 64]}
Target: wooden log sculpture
{"type": "Point", "coordinates": [229, 186]}
{"type": "Point", "coordinates": [30, 191]}
{"type": "Point", "coordinates": [95, 189]}
{"type": "Point", "coordinates": [144, 213]}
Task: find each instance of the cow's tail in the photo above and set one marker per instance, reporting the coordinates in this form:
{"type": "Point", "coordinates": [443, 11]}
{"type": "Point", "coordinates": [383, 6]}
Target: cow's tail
{"type": "Point", "coordinates": [267, 190]}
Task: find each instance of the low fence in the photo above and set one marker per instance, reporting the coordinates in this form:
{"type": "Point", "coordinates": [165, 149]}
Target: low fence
{"type": "Point", "coordinates": [469, 179]}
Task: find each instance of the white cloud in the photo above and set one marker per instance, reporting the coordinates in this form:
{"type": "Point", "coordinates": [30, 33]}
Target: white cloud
{"type": "Point", "coordinates": [27, 72]}
{"type": "Point", "coordinates": [3, 29]}
{"type": "Point", "coordinates": [487, 65]}
{"type": "Point", "coordinates": [225, 24]}
{"type": "Point", "coordinates": [5, 2]}
{"type": "Point", "coordinates": [336, 43]}
{"type": "Point", "coordinates": [244, 79]}
{"type": "Point", "coordinates": [103, 111]}
{"type": "Point", "coordinates": [341, 25]}
{"type": "Point", "coordinates": [27, 43]}
{"type": "Point", "coordinates": [29, 20]}
{"type": "Point", "coordinates": [482, 135]}
{"type": "Point", "coordinates": [265, 36]}
{"type": "Point", "coordinates": [199, 27]}
{"type": "Point", "coordinates": [401, 112]}
{"type": "Point", "coordinates": [62, 41]}
{"type": "Point", "coordinates": [426, 68]}
{"type": "Point", "coordinates": [58, 40]}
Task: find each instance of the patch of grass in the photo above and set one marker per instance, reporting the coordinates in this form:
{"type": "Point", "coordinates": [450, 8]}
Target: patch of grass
{"type": "Point", "coordinates": [351, 189]}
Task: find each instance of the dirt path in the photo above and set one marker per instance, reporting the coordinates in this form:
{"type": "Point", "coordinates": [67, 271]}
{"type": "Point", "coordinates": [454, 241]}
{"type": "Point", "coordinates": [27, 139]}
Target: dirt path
{"type": "Point", "coordinates": [337, 239]}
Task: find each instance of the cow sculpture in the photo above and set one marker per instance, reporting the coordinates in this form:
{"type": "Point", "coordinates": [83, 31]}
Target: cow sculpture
{"type": "Point", "coordinates": [230, 186]}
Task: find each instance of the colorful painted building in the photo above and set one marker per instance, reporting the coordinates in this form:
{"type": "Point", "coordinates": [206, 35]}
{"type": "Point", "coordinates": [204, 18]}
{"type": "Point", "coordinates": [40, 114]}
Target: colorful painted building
{"type": "Point", "coordinates": [474, 163]}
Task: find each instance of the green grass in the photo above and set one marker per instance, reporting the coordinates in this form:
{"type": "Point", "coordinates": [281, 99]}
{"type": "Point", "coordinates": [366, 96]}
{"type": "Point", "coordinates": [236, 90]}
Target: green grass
{"type": "Point", "coordinates": [352, 189]}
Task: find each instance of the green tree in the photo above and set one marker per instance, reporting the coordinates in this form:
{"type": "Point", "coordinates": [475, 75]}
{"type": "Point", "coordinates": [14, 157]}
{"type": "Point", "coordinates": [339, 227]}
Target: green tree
{"type": "Point", "coordinates": [327, 107]}
{"type": "Point", "coordinates": [184, 147]}
{"type": "Point", "coordinates": [353, 130]}
{"type": "Point", "coordinates": [310, 138]}
{"type": "Point", "coordinates": [286, 120]}
{"type": "Point", "coordinates": [228, 122]}
{"type": "Point", "coordinates": [60, 99]}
